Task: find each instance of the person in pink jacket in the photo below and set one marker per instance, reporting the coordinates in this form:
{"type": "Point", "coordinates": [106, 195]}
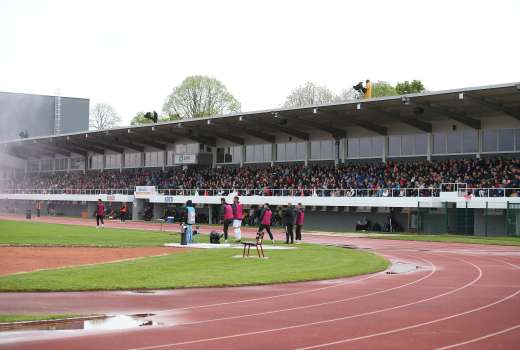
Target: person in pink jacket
{"type": "Point", "coordinates": [266, 217]}
{"type": "Point", "coordinates": [227, 216]}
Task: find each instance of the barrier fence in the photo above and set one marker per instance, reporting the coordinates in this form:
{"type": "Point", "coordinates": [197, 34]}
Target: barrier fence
{"type": "Point", "coordinates": [318, 192]}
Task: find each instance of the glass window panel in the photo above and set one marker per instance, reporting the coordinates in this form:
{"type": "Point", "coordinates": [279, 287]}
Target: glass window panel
{"type": "Point", "coordinates": [421, 143]}
{"type": "Point", "coordinates": [315, 149]}
{"type": "Point", "coordinates": [408, 144]}
{"type": "Point", "coordinates": [180, 149]}
{"type": "Point", "coordinates": [469, 141]}
{"type": "Point", "coordinates": [517, 139]}
{"type": "Point", "coordinates": [250, 151]}
{"type": "Point", "coordinates": [489, 140]}
{"type": "Point", "coordinates": [280, 151]}
{"type": "Point", "coordinates": [439, 143]}
{"type": "Point", "coordinates": [259, 153]}
{"type": "Point", "coordinates": [365, 147]}
{"type": "Point", "coordinates": [377, 146]}
{"type": "Point", "coordinates": [454, 142]}
{"type": "Point", "coordinates": [353, 148]}
{"type": "Point", "coordinates": [268, 149]}
{"type": "Point", "coordinates": [394, 145]}
{"type": "Point", "coordinates": [192, 148]}
{"type": "Point", "coordinates": [326, 151]}
{"type": "Point", "coordinates": [300, 151]}
{"type": "Point", "coordinates": [506, 140]}
{"type": "Point", "coordinates": [290, 151]}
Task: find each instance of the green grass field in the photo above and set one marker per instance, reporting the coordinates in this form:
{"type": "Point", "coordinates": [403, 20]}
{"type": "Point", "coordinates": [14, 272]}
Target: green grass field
{"type": "Point", "coordinates": [21, 317]}
{"type": "Point", "coordinates": [42, 234]}
{"type": "Point", "coordinates": [196, 268]}
{"type": "Point", "coordinates": [502, 240]}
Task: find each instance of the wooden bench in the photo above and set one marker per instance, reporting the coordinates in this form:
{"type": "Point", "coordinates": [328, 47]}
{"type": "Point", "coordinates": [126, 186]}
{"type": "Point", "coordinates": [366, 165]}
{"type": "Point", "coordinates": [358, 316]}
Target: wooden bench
{"type": "Point", "coordinates": [257, 244]}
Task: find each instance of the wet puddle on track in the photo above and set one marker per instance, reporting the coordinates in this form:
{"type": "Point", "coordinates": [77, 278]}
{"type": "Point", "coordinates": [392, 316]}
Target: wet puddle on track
{"type": "Point", "coordinates": [114, 322]}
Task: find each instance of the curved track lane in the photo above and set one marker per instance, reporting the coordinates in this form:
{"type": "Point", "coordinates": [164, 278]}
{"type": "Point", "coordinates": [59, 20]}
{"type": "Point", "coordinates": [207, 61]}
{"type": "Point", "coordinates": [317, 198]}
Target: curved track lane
{"type": "Point", "coordinates": [462, 297]}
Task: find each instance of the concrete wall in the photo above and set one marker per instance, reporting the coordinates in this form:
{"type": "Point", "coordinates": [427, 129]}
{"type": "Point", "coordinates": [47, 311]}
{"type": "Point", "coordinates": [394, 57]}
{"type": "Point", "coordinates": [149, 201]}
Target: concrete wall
{"type": "Point", "coordinates": [35, 113]}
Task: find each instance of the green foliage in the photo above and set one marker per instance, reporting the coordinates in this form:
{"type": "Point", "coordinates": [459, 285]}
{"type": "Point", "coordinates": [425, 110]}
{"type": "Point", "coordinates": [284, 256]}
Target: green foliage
{"type": "Point", "coordinates": [309, 94]}
{"type": "Point", "coordinates": [382, 88]}
{"type": "Point", "coordinates": [407, 87]}
{"type": "Point", "coordinates": [200, 96]}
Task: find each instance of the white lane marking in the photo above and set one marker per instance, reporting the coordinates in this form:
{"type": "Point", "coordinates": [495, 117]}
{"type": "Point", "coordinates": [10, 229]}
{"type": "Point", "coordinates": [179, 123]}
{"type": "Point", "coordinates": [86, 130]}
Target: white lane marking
{"type": "Point", "coordinates": [308, 306]}
{"type": "Point", "coordinates": [413, 326]}
{"type": "Point", "coordinates": [274, 296]}
{"type": "Point", "coordinates": [480, 338]}
{"type": "Point", "coordinates": [323, 321]}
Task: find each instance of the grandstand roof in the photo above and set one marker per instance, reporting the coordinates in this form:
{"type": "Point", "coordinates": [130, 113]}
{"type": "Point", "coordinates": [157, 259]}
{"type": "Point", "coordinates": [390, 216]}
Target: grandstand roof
{"type": "Point", "coordinates": [464, 105]}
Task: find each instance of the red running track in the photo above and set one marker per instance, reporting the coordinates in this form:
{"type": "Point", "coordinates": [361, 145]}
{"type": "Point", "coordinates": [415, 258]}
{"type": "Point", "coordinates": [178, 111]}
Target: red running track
{"type": "Point", "coordinates": [462, 297]}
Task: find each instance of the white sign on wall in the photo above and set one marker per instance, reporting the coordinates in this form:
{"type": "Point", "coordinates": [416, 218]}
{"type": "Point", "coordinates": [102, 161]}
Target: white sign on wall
{"type": "Point", "coordinates": [185, 159]}
{"type": "Point", "coordinates": [144, 191]}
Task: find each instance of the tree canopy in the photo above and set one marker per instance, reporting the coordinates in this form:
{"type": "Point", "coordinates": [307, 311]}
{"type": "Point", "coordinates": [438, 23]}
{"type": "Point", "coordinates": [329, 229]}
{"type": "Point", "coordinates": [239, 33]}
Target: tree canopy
{"type": "Point", "coordinates": [103, 116]}
{"type": "Point", "coordinates": [200, 96]}
{"type": "Point", "coordinates": [309, 94]}
{"type": "Point", "coordinates": [382, 88]}
{"type": "Point", "coordinates": [407, 87]}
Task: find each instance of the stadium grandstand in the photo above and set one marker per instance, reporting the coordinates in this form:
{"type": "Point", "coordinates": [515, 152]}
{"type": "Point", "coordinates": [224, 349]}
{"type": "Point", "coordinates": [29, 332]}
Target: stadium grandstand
{"type": "Point", "coordinates": [435, 162]}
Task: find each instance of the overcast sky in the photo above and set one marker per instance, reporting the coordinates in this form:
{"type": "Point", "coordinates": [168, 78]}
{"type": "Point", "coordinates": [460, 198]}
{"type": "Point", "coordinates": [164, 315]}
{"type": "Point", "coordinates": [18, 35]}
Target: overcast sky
{"type": "Point", "coordinates": [131, 54]}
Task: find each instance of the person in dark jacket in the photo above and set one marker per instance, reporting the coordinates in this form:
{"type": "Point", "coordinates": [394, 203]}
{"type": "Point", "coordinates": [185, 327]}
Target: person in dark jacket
{"type": "Point", "coordinates": [288, 222]}
{"type": "Point", "coordinates": [100, 213]}
{"type": "Point", "coordinates": [227, 216]}
{"type": "Point", "coordinates": [300, 218]}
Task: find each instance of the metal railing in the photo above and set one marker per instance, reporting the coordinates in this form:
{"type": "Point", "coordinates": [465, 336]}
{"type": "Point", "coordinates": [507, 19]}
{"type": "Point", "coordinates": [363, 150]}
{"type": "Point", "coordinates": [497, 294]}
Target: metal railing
{"type": "Point", "coordinates": [110, 191]}
{"type": "Point", "coordinates": [309, 192]}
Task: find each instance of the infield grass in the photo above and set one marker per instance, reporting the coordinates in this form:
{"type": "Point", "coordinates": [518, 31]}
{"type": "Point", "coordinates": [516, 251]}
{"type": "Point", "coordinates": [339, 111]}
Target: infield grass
{"type": "Point", "coordinates": [193, 268]}
{"type": "Point", "coordinates": [498, 240]}
{"type": "Point", "coordinates": [8, 318]}
{"type": "Point", "coordinates": [43, 234]}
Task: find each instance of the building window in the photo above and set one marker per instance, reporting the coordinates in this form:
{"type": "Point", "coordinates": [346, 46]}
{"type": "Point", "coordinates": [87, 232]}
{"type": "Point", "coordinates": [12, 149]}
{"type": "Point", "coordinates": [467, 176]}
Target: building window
{"type": "Point", "coordinates": [506, 140]}
{"type": "Point", "coordinates": [489, 140]}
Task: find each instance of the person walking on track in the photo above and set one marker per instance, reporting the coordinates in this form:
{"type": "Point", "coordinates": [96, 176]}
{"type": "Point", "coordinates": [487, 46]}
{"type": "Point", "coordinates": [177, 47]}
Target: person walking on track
{"type": "Point", "coordinates": [238, 214]}
{"type": "Point", "coordinates": [100, 213]}
{"type": "Point", "coordinates": [38, 208]}
{"type": "Point", "coordinates": [266, 217]}
{"type": "Point", "coordinates": [227, 216]}
{"type": "Point", "coordinates": [300, 218]}
{"type": "Point", "coordinates": [122, 213]}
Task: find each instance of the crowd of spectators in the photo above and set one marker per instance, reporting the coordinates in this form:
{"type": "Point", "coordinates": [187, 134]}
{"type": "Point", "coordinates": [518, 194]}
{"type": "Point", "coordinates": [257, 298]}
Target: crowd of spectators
{"type": "Point", "coordinates": [417, 178]}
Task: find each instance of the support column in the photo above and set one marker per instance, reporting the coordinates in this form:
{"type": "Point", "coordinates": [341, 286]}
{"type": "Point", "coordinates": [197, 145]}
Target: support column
{"type": "Point", "coordinates": [122, 164]}
{"type": "Point", "coordinates": [273, 153]}
{"type": "Point", "coordinates": [429, 146]}
{"type": "Point", "coordinates": [385, 148]}
{"type": "Point", "coordinates": [242, 155]}
{"type": "Point", "coordinates": [165, 159]}
{"type": "Point", "coordinates": [210, 213]}
{"type": "Point", "coordinates": [336, 151]}
{"type": "Point", "coordinates": [479, 143]}
{"type": "Point", "coordinates": [138, 206]}
{"type": "Point", "coordinates": [307, 152]}
{"type": "Point", "coordinates": [213, 157]}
